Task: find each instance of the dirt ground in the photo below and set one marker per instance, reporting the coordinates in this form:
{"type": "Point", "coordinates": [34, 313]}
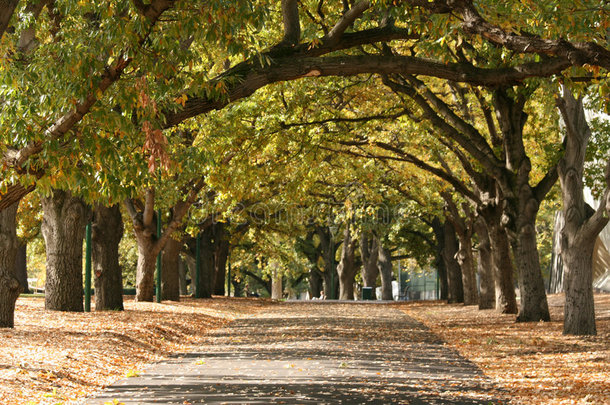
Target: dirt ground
{"type": "Point", "coordinates": [534, 363]}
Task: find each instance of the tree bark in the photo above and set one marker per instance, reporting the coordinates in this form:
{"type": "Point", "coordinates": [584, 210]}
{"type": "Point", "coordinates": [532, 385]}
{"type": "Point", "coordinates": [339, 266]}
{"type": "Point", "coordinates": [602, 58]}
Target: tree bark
{"type": "Point", "coordinates": [487, 294]}
{"type": "Point", "coordinates": [170, 275]}
{"type": "Point", "coordinates": [145, 270]}
{"type": "Point", "coordinates": [384, 261]}
{"type": "Point", "coordinates": [315, 282]}
{"type": "Point", "coordinates": [463, 227]}
{"type": "Point", "coordinates": [207, 264]}
{"type": "Point", "coordinates": [502, 267]}
{"type": "Point", "coordinates": [182, 270]}
{"type": "Point", "coordinates": [277, 290]}
{"type": "Point", "coordinates": [454, 272]}
{"type": "Point", "coordinates": [9, 285]}
{"type": "Point", "coordinates": [582, 225]}
{"type": "Point", "coordinates": [221, 255]}
{"type": "Point", "coordinates": [63, 229]}
{"type": "Point", "coordinates": [346, 268]}
{"type": "Point", "coordinates": [439, 261]}
{"type": "Point", "coordinates": [331, 285]}
{"type": "Point", "coordinates": [369, 253]}
{"type": "Point", "coordinates": [106, 234]}
{"type": "Point", "coordinates": [522, 202]}
{"type": "Point", "coordinates": [21, 266]}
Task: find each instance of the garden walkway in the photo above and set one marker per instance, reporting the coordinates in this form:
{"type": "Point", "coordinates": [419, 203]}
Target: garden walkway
{"type": "Point", "coordinates": [312, 353]}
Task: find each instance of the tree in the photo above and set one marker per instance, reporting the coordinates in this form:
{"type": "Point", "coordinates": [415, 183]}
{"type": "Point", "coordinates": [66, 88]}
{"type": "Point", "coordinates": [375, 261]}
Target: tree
{"type": "Point", "coordinates": [582, 224]}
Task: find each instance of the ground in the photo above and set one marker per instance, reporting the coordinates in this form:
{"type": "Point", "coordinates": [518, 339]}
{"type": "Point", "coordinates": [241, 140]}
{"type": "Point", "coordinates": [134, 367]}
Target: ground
{"type": "Point", "coordinates": [53, 357]}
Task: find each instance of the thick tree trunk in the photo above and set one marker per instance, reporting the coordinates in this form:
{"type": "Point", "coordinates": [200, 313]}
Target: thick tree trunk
{"type": "Point", "coordinates": [205, 288]}
{"type": "Point", "coordinates": [534, 306]}
{"type": "Point", "coordinates": [347, 268]}
{"type": "Point", "coordinates": [9, 285]}
{"type": "Point", "coordinates": [384, 261]}
{"type": "Point", "coordinates": [582, 225]}
{"type": "Point", "coordinates": [221, 255]}
{"type": "Point", "coordinates": [331, 282]}
{"type": "Point", "coordinates": [21, 266]}
{"type": "Point", "coordinates": [579, 317]}
{"type": "Point", "coordinates": [369, 254]}
{"type": "Point", "coordinates": [521, 204]}
{"type": "Point", "coordinates": [170, 274]}
{"type": "Point", "coordinates": [63, 229]}
{"type": "Point", "coordinates": [145, 271]}
{"type": "Point", "coordinates": [502, 263]}
{"type": "Point", "coordinates": [439, 261]}
{"type": "Point", "coordinates": [487, 299]}
{"type": "Point", "coordinates": [107, 231]}
{"type": "Point", "coordinates": [454, 272]}
{"type": "Point", "coordinates": [315, 282]}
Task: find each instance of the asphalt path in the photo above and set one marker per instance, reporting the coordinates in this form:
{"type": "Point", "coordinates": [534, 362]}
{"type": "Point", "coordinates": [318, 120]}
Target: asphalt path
{"type": "Point", "coordinates": [311, 353]}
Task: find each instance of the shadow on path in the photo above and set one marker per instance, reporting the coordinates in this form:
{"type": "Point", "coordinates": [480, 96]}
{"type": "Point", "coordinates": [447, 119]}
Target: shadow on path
{"type": "Point", "coordinates": [299, 353]}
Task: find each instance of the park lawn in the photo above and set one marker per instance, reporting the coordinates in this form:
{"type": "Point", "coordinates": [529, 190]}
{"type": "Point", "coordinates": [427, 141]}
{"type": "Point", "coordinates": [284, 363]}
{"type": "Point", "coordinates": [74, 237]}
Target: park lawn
{"type": "Point", "coordinates": [530, 363]}
{"type": "Point", "coordinates": [55, 357]}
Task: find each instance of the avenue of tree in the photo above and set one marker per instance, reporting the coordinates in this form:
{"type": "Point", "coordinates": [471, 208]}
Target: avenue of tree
{"type": "Point", "coordinates": [334, 137]}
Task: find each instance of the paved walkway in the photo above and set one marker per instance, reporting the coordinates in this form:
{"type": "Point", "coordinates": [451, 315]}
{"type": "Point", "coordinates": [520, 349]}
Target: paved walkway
{"type": "Point", "coordinates": [296, 353]}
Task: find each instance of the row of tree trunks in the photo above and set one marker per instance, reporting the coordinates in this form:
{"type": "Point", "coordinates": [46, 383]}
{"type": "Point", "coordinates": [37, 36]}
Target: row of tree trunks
{"type": "Point", "coordinates": [9, 285]}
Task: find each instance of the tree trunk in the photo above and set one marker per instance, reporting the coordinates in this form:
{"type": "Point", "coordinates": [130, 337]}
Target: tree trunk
{"type": "Point", "coordinates": [145, 271]}
{"type": "Point", "coordinates": [21, 266]}
{"type": "Point", "coordinates": [502, 263]}
{"type": "Point", "coordinates": [63, 229]}
{"type": "Point", "coordinates": [9, 285]}
{"type": "Point", "coordinates": [439, 261]}
{"type": "Point", "coordinates": [369, 254]}
{"type": "Point", "coordinates": [277, 292]}
{"type": "Point", "coordinates": [347, 268]}
{"type": "Point", "coordinates": [170, 275]}
{"type": "Point", "coordinates": [521, 204]}
{"type": "Point", "coordinates": [106, 234]}
{"type": "Point", "coordinates": [534, 306]}
{"type": "Point", "coordinates": [182, 270]}
{"type": "Point", "coordinates": [484, 267]}
{"type": "Point", "coordinates": [221, 255]}
{"type": "Point", "coordinates": [467, 266]}
{"type": "Point", "coordinates": [454, 273]}
{"type": "Point", "coordinates": [384, 261]}
{"type": "Point", "coordinates": [315, 282]}
{"type": "Point", "coordinates": [582, 225]}
{"type": "Point", "coordinates": [205, 288]}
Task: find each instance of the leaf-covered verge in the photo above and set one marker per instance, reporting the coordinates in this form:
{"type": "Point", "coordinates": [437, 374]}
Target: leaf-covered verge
{"type": "Point", "coordinates": [531, 363]}
{"type": "Point", "coordinates": [55, 357]}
